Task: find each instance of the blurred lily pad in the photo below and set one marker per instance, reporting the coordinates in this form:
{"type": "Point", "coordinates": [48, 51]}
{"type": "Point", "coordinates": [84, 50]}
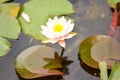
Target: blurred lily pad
{"type": "Point", "coordinates": [113, 3]}
{"type": "Point", "coordinates": [39, 11]}
{"type": "Point", "coordinates": [2, 1]}
{"type": "Point", "coordinates": [9, 26]}
{"type": "Point", "coordinates": [4, 47]}
{"type": "Point", "coordinates": [106, 50]}
{"type": "Point", "coordinates": [10, 8]}
{"type": "Point", "coordinates": [85, 49]}
{"type": "Point", "coordinates": [30, 62]}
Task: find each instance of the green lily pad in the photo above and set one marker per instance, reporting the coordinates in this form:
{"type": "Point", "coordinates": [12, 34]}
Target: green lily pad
{"type": "Point", "coordinates": [5, 46]}
{"type": "Point", "coordinates": [113, 3]}
{"type": "Point", "coordinates": [39, 11]}
{"type": "Point", "coordinates": [9, 26]}
{"type": "Point", "coordinates": [10, 8]}
{"type": "Point", "coordinates": [85, 49]}
{"type": "Point", "coordinates": [106, 50]}
{"type": "Point", "coordinates": [30, 62]}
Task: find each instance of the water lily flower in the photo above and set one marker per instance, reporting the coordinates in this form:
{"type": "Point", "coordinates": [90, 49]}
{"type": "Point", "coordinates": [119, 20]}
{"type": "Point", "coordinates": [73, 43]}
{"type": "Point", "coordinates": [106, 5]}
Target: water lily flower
{"type": "Point", "coordinates": [57, 30]}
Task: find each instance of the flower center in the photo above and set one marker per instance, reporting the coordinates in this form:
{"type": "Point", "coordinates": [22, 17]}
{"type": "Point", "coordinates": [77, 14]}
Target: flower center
{"type": "Point", "coordinates": [58, 28]}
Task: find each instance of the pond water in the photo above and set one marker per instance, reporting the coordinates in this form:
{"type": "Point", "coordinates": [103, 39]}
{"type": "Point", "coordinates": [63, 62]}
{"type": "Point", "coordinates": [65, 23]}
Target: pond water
{"type": "Point", "coordinates": [91, 17]}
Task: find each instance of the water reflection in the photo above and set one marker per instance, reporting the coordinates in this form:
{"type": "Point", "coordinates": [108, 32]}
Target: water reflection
{"type": "Point", "coordinates": [66, 63]}
{"type": "Point", "coordinates": [45, 78]}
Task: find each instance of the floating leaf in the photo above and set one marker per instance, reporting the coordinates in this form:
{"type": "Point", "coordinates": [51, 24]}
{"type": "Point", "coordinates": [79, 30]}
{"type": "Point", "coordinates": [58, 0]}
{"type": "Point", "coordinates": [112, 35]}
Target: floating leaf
{"type": "Point", "coordinates": [115, 73]}
{"type": "Point", "coordinates": [106, 50]}
{"type": "Point", "coordinates": [85, 49]}
{"type": "Point", "coordinates": [9, 27]}
{"type": "Point", "coordinates": [10, 8]}
{"type": "Point", "coordinates": [113, 3]}
{"type": "Point", "coordinates": [30, 62]}
{"type": "Point", "coordinates": [4, 47]}
{"type": "Point", "coordinates": [103, 70]}
{"type": "Point", "coordinates": [53, 62]}
{"type": "Point", "coordinates": [39, 11]}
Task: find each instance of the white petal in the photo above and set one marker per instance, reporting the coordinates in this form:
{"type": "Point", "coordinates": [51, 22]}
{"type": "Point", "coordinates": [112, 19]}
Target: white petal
{"type": "Point", "coordinates": [53, 41]}
{"type": "Point", "coordinates": [70, 35]}
{"type": "Point", "coordinates": [62, 20]}
{"type": "Point", "coordinates": [61, 43]}
{"type": "Point", "coordinates": [25, 17]}
{"type": "Point", "coordinates": [56, 19]}
{"type": "Point", "coordinates": [69, 28]}
{"type": "Point", "coordinates": [48, 34]}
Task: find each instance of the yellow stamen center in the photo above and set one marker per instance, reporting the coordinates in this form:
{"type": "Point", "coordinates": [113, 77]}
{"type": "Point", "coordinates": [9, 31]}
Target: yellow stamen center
{"type": "Point", "coordinates": [58, 28]}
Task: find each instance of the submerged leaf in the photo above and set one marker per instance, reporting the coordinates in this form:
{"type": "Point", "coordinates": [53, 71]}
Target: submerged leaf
{"type": "Point", "coordinates": [30, 62]}
{"type": "Point", "coordinates": [85, 49]}
{"type": "Point", "coordinates": [10, 8]}
{"type": "Point", "coordinates": [39, 11]}
{"type": "Point", "coordinates": [9, 26]}
{"type": "Point", "coordinates": [4, 47]}
{"type": "Point", "coordinates": [106, 50]}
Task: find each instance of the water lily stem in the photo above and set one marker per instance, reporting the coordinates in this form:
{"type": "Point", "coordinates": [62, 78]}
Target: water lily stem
{"type": "Point", "coordinates": [62, 52]}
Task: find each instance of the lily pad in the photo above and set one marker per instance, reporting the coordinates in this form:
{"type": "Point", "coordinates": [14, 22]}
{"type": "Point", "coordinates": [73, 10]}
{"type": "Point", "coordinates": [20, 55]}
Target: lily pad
{"type": "Point", "coordinates": [4, 47]}
{"type": "Point", "coordinates": [85, 49]}
{"type": "Point", "coordinates": [30, 62]}
{"type": "Point", "coordinates": [9, 26]}
{"type": "Point", "coordinates": [2, 1]}
{"type": "Point", "coordinates": [113, 3]}
{"type": "Point", "coordinates": [10, 8]}
{"type": "Point", "coordinates": [106, 50]}
{"type": "Point", "coordinates": [39, 11]}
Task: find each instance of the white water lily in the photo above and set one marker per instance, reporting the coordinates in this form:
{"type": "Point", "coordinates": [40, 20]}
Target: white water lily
{"type": "Point", "coordinates": [57, 30]}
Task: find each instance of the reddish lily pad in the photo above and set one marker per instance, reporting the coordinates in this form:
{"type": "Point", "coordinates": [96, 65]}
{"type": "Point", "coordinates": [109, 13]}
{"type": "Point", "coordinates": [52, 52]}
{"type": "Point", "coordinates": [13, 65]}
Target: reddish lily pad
{"type": "Point", "coordinates": [30, 62]}
{"type": "Point", "coordinates": [106, 50]}
{"type": "Point", "coordinates": [85, 49]}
